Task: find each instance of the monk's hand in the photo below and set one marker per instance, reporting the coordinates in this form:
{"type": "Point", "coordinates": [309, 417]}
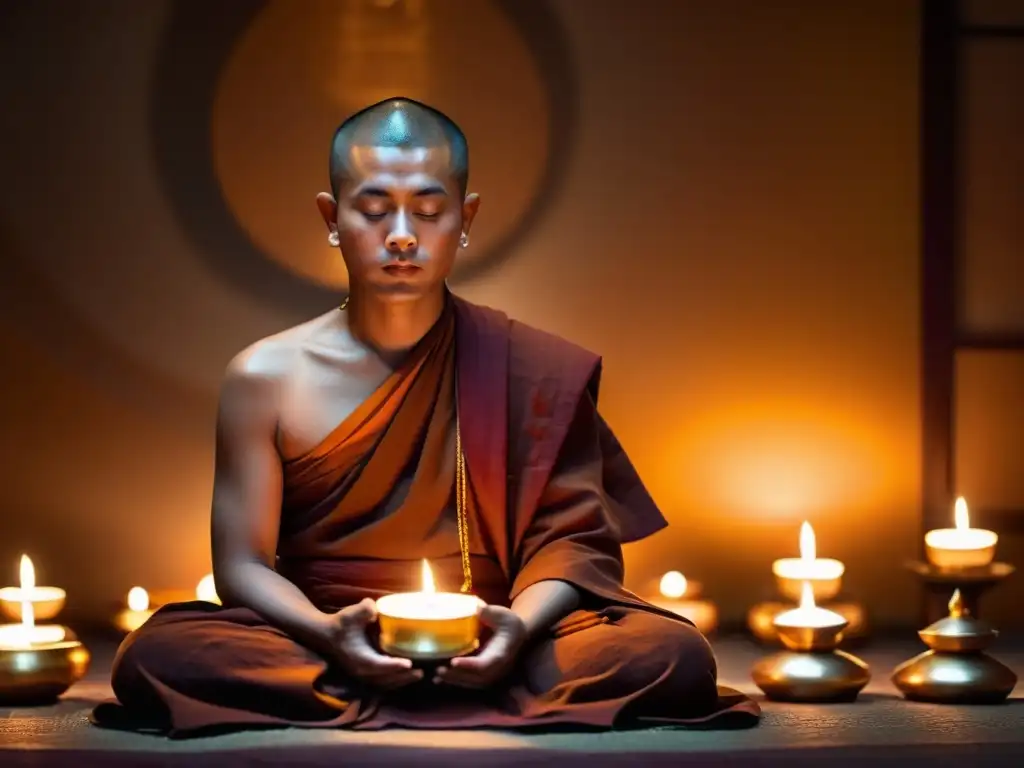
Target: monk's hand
{"type": "Point", "coordinates": [496, 659]}
{"type": "Point", "coordinates": [357, 655]}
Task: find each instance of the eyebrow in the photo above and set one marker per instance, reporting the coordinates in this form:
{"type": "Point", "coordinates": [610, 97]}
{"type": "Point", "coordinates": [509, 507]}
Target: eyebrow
{"type": "Point", "coordinates": [428, 191]}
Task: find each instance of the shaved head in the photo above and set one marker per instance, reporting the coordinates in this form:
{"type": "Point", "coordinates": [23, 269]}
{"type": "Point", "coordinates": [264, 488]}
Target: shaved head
{"type": "Point", "coordinates": [403, 124]}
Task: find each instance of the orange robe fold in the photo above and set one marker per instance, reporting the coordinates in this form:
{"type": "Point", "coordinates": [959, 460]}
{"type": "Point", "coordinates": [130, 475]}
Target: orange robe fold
{"type": "Point", "coordinates": [552, 496]}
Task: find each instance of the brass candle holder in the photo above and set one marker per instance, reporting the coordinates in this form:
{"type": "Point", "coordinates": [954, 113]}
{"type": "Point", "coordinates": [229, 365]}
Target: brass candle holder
{"type": "Point", "coordinates": [825, 577]}
{"type": "Point", "coordinates": [428, 626]}
{"type": "Point", "coordinates": [811, 669]}
{"type": "Point", "coordinates": [38, 663]}
{"type": "Point", "coordinates": [41, 671]}
{"type": "Point", "coordinates": [972, 583]}
{"type": "Point", "coordinates": [956, 669]}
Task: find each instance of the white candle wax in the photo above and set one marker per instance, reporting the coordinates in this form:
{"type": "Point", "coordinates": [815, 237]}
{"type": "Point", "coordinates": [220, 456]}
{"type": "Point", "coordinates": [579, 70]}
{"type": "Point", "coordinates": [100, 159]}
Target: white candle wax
{"type": "Point", "coordinates": [33, 595]}
{"type": "Point", "coordinates": [808, 614]}
{"type": "Point", "coordinates": [21, 637]}
{"type": "Point", "coordinates": [808, 566]}
{"type": "Point", "coordinates": [824, 574]}
{"type": "Point", "coordinates": [437, 606]}
{"type": "Point", "coordinates": [429, 604]}
{"type": "Point", "coordinates": [961, 546]}
{"type": "Point", "coordinates": [46, 601]}
{"type": "Point", "coordinates": [27, 635]}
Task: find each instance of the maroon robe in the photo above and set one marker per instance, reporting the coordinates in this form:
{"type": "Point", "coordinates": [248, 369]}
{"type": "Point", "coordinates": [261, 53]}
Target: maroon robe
{"type": "Point", "coordinates": [553, 496]}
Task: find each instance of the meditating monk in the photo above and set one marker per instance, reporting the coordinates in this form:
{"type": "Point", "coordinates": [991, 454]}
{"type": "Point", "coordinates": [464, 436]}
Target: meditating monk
{"type": "Point", "coordinates": [406, 425]}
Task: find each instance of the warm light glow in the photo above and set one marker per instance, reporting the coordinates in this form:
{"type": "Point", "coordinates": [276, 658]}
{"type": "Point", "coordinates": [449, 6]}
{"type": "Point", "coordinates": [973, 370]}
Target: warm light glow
{"type": "Point", "coordinates": [27, 634]}
{"type": "Point", "coordinates": [807, 597]}
{"type": "Point", "coordinates": [960, 546]}
{"type": "Point", "coordinates": [27, 579]}
{"type": "Point", "coordinates": [138, 599]}
{"type": "Point", "coordinates": [27, 574]}
{"type": "Point", "coordinates": [428, 603]}
{"type": "Point", "coordinates": [961, 520]}
{"type": "Point", "coordinates": [809, 565]}
{"type": "Point", "coordinates": [808, 614]}
{"type": "Point", "coordinates": [206, 590]}
{"type": "Point", "coordinates": [808, 542]}
{"type": "Point", "coordinates": [673, 585]}
{"type": "Point", "coordinates": [428, 578]}
{"type": "Point", "coordinates": [28, 594]}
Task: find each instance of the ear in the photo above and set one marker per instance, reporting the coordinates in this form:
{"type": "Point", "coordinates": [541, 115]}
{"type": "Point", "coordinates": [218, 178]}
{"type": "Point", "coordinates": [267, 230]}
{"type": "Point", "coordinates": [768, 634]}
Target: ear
{"type": "Point", "coordinates": [328, 207]}
{"type": "Point", "coordinates": [469, 208]}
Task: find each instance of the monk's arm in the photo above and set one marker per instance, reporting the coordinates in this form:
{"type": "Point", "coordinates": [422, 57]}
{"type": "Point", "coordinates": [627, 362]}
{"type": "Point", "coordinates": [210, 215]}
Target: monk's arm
{"type": "Point", "coordinates": [572, 546]}
{"type": "Point", "coordinates": [247, 494]}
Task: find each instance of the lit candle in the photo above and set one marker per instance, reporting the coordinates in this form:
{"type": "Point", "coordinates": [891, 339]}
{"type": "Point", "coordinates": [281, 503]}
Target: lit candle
{"type": "Point", "coordinates": [825, 575]}
{"type": "Point", "coordinates": [808, 615]}
{"type": "Point", "coordinates": [206, 590]}
{"type": "Point", "coordinates": [428, 624]}
{"type": "Point", "coordinates": [138, 611]}
{"type": "Point", "coordinates": [27, 634]}
{"type": "Point", "coordinates": [46, 602]}
{"type": "Point", "coordinates": [962, 546]}
{"type": "Point", "coordinates": [682, 597]}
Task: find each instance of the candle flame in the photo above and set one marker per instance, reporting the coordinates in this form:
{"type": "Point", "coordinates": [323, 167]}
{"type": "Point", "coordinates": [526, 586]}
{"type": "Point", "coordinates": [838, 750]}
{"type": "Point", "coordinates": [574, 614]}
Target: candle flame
{"type": "Point", "coordinates": [28, 573]}
{"type": "Point", "coordinates": [428, 578]}
{"type": "Point", "coordinates": [808, 542]}
{"type": "Point", "coordinates": [673, 585]}
{"type": "Point", "coordinates": [807, 597]}
{"type": "Point", "coordinates": [138, 599]}
{"type": "Point", "coordinates": [960, 517]}
{"type": "Point", "coordinates": [27, 577]}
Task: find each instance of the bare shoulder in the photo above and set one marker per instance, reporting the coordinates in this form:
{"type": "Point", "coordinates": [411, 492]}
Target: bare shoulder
{"type": "Point", "coordinates": [257, 372]}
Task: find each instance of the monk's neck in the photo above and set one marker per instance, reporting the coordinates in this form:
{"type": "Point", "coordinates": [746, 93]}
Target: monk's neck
{"type": "Point", "coordinates": [391, 328]}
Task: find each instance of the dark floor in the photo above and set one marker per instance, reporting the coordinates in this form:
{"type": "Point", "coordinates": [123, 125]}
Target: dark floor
{"type": "Point", "coordinates": [879, 728]}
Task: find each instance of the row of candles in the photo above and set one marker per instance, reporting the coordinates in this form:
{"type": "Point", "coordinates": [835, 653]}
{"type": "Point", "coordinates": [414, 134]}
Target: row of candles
{"type": "Point", "coordinates": [959, 547]}
{"type": "Point", "coordinates": [428, 624]}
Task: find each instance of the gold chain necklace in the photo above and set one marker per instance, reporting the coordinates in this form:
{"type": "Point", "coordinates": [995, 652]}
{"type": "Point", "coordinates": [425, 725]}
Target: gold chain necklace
{"type": "Point", "coordinates": [461, 515]}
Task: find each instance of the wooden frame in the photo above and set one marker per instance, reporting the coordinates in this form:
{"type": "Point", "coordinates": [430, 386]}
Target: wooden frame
{"type": "Point", "coordinates": [942, 36]}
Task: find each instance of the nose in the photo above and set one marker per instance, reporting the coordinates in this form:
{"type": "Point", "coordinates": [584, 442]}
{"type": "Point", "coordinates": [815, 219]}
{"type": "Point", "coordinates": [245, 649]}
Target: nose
{"type": "Point", "coordinates": [401, 239]}
{"type": "Point", "coordinates": [400, 242]}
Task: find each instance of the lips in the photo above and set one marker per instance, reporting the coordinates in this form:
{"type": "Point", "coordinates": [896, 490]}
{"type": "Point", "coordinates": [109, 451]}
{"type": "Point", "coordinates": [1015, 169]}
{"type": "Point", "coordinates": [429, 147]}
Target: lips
{"type": "Point", "coordinates": [401, 269]}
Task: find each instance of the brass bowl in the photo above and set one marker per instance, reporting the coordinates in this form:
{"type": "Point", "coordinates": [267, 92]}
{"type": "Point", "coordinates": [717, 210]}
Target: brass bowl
{"type": "Point", "coordinates": [43, 673]}
{"type": "Point", "coordinates": [796, 638]}
{"type": "Point", "coordinates": [761, 621]}
{"type": "Point", "coordinates": [811, 677]}
{"type": "Point", "coordinates": [428, 639]}
{"type": "Point", "coordinates": [960, 560]}
{"type": "Point", "coordinates": [48, 603]}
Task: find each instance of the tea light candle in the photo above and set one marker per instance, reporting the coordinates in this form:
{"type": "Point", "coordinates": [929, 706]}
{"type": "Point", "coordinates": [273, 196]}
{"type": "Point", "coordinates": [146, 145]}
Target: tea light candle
{"type": "Point", "coordinates": [961, 546]}
{"type": "Point", "coordinates": [682, 597]}
{"type": "Point", "coordinates": [428, 625]}
{"type": "Point", "coordinates": [137, 613]}
{"type": "Point", "coordinates": [38, 663]}
{"type": "Point", "coordinates": [825, 575]}
{"type": "Point", "coordinates": [808, 615]}
{"type": "Point", "coordinates": [27, 635]}
{"type": "Point", "coordinates": [46, 602]}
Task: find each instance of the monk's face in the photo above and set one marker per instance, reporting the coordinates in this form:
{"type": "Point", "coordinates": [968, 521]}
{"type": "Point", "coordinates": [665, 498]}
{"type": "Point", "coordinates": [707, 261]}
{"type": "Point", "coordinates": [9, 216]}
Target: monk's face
{"type": "Point", "coordinates": [399, 217]}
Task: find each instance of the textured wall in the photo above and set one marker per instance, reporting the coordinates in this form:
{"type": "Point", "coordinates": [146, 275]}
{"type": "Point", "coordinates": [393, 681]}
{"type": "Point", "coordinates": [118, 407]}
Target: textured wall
{"type": "Point", "coordinates": [721, 197]}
